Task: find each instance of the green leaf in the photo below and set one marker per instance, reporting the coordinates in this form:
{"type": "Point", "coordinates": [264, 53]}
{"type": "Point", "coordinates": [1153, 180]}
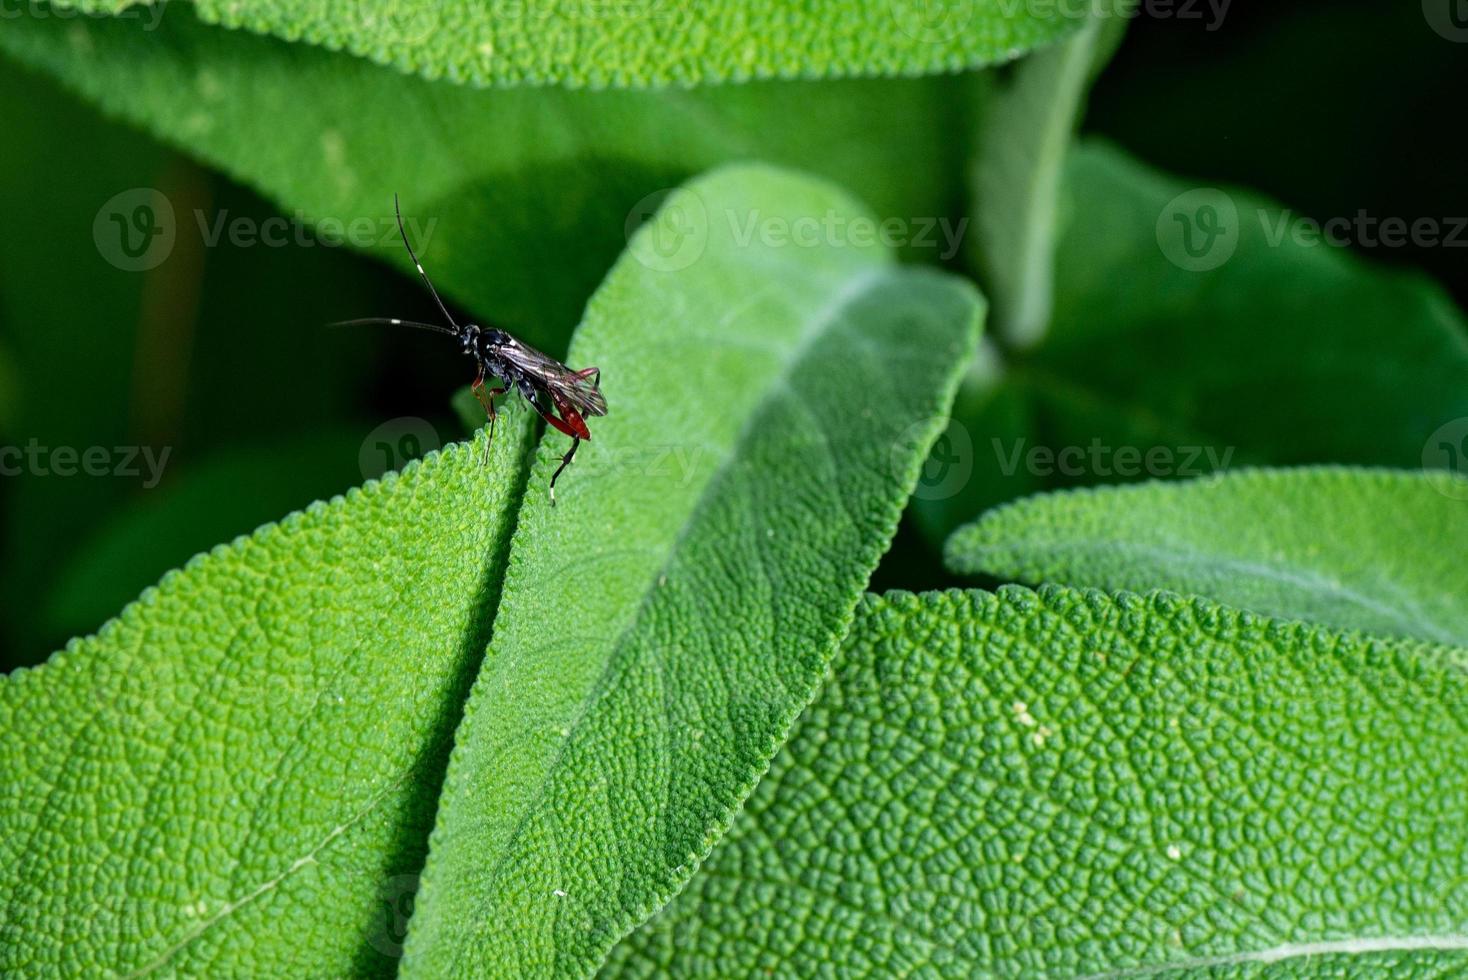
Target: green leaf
{"type": "Point", "coordinates": [520, 199]}
{"type": "Point", "coordinates": [1064, 783]}
{"type": "Point", "coordinates": [1373, 550]}
{"type": "Point", "coordinates": [1015, 177]}
{"type": "Point", "coordinates": [654, 42]}
{"type": "Point", "coordinates": [770, 404]}
{"type": "Point", "coordinates": [1282, 354]}
{"type": "Point", "coordinates": [199, 506]}
{"type": "Point", "coordinates": [230, 776]}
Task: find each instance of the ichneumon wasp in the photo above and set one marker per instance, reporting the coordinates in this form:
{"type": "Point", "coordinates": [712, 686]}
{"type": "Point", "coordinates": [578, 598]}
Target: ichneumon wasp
{"type": "Point", "coordinates": [561, 396]}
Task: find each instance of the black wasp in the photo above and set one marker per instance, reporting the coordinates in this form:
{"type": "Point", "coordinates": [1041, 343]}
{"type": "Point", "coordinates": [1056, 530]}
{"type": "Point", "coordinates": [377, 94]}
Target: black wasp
{"type": "Point", "coordinates": [561, 396]}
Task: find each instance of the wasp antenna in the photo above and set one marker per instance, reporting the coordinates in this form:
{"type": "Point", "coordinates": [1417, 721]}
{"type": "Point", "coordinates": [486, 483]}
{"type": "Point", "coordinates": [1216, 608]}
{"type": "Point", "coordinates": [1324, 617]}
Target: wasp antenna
{"type": "Point", "coordinates": [419, 265]}
{"type": "Point", "coordinates": [395, 322]}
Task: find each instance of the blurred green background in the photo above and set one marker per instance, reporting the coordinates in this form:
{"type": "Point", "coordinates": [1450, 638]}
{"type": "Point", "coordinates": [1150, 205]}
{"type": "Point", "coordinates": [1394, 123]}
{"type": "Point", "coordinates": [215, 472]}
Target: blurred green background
{"type": "Point", "coordinates": [221, 353]}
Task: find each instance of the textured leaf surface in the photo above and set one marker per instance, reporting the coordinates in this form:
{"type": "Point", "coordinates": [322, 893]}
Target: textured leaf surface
{"type": "Point", "coordinates": [666, 621]}
{"type": "Point", "coordinates": [646, 42]}
{"type": "Point", "coordinates": [1283, 354]}
{"type": "Point", "coordinates": [1373, 550]}
{"type": "Point", "coordinates": [520, 199]}
{"type": "Point", "coordinates": [229, 776]}
{"type": "Point", "coordinates": [1063, 783]}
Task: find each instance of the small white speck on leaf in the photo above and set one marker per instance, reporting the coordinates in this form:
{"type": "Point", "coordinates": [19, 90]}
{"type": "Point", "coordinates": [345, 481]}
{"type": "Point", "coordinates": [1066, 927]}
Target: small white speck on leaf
{"type": "Point", "coordinates": [1022, 712]}
{"type": "Point", "coordinates": [1174, 852]}
{"type": "Point", "coordinates": [559, 893]}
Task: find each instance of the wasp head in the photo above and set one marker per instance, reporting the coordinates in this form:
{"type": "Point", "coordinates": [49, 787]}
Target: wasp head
{"type": "Point", "coordinates": [469, 340]}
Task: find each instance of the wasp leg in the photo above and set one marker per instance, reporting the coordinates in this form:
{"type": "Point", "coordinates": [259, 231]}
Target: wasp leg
{"type": "Point", "coordinates": [559, 425]}
{"type": "Point", "coordinates": [565, 462]}
{"type": "Point", "coordinates": [588, 373]}
{"type": "Point", "coordinates": [486, 398]}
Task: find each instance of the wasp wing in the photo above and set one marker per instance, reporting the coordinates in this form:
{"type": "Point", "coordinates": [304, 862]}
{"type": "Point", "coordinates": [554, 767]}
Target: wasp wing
{"type": "Point", "coordinates": [560, 381]}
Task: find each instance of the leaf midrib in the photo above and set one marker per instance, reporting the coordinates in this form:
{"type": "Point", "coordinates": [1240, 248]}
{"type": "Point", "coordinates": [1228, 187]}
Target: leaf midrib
{"type": "Point", "coordinates": [1355, 946]}
{"type": "Point", "coordinates": [265, 887]}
